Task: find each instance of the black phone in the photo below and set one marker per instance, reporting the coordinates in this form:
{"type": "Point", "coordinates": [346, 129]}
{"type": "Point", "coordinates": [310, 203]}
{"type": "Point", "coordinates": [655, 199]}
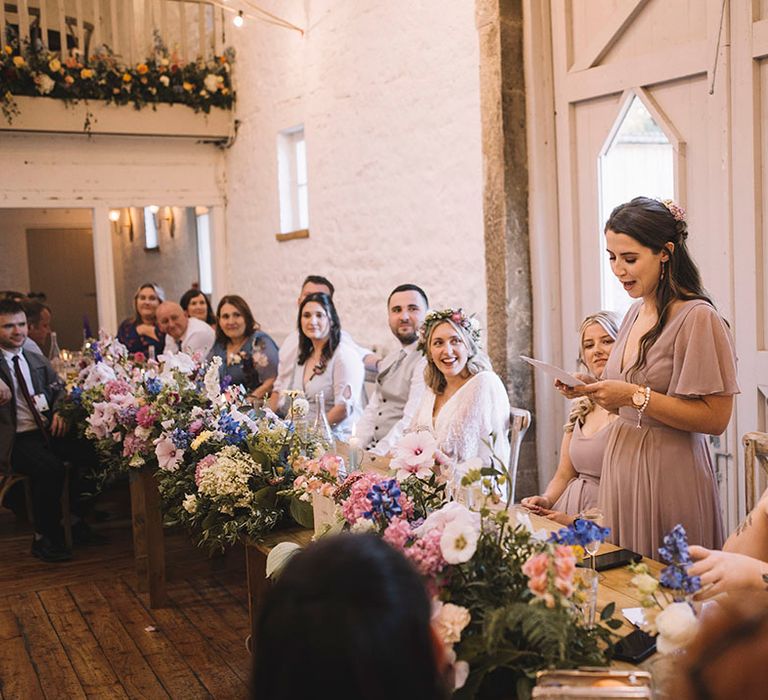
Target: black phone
{"type": "Point", "coordinates": [637, 646]}
{"type": "Point", "coordinates": [612, 560]}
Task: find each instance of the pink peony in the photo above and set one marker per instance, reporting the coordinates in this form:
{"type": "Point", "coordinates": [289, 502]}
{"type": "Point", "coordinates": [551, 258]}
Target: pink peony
{"type": "Point", "coordinates": [117, 387]}
{"type": "Point", "coordinates": [146, 417]}
{"type": "Point", "coordinates": [139, 357]}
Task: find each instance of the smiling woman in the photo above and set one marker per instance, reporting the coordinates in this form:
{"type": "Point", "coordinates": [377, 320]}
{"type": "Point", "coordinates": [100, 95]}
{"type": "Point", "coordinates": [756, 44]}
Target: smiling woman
{"type": "Point", "coordinates": [465, 404]}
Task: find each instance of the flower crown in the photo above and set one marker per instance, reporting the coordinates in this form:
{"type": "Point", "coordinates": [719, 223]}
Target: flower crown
{"type": "Point", "coordinates": [678, 213]}
{"type": "Point", "coordinates": [469, 323]}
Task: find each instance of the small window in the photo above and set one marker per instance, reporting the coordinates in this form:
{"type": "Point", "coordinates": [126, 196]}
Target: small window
{"type": "Point", "coordinates": [292, 180]}
{"type": "Point", "coordinates": [205, 270]}
{"type": "Point", "coordinates": [151, 239]}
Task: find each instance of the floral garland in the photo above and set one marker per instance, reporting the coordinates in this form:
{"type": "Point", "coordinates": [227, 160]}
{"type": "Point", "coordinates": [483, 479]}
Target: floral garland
{"type": "Point", "coordinates": [469, 323]}
{"type": "Point", "coordinates": [163, 78]}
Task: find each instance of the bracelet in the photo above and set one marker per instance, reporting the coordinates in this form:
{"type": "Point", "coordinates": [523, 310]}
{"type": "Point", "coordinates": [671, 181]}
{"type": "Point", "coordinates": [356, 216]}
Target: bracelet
{"type": "Point", "coordinates": [642, 408]}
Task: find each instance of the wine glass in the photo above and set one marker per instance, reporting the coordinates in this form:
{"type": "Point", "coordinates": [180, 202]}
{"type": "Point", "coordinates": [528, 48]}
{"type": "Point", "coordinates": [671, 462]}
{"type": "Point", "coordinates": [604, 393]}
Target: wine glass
{"type": "Point", "coordinates": [596, 516]}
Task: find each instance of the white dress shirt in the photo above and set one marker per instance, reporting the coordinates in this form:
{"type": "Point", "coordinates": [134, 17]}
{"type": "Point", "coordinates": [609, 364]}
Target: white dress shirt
{"type": "Point", "coordinates": [401, 372]}
{"type": "Point", "coordinates": [199, 337]}
{"type": "Point", "coordinates": [25, 421]}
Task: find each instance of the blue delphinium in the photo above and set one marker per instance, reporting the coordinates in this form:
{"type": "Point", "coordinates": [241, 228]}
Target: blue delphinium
{"type": "Point", "coordinates": [675, 553]}
{"type": "Point", "coordinates": [234, 431]}
{"type": "Point", "coordinates": [581, 533]}
{"type": "Point", "coordinates": [181, 438]}
{"type": "Point", "coordinates": [384, 501]}
{"type": "Point", "coordinates": [97, 356]}
{"type": "Point", "coordinates": [154, 386]}
{"type": "Point", "coordinates": [76, 394]}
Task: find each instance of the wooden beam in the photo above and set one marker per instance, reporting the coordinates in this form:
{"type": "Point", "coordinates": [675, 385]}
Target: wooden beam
{"type": "Point", "coordinates": [292, 235]}
{"type": "Point", "coordinates": [608, 33]}
{"type": "Point", "coordinates": [674, 63]}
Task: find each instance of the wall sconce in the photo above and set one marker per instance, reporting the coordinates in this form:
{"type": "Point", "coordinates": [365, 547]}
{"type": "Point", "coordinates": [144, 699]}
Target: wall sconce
{"type": "Point", "coordinates": [114, 217]}
{"type": "Point", "coordinates": [121, 219]}
{"type": "Point", "coordinates": [166, 215]}
{"type": "Point", "coordinates": [170, 222]}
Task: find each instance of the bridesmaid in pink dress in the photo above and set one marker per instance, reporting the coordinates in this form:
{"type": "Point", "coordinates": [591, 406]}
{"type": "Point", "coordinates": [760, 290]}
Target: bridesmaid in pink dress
{"type": "Point", "coordinates": [671, 378]}
{"type": "Point", "coordinates": [573, 488]}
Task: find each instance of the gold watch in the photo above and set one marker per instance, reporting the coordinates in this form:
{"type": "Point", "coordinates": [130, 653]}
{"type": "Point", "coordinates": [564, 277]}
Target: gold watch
{"type": "Point", "coordinates": [638, 398]}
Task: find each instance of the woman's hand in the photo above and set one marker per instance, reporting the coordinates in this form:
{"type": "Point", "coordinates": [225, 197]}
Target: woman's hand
{"type": "Point", "coordinates": [536, 502]}
{"type": "Point", "coordinates": [725, 572]}
{"type": "Point", "coordinates": [556, 515]}
{"type": "Point", "coordinates": [611, 394]}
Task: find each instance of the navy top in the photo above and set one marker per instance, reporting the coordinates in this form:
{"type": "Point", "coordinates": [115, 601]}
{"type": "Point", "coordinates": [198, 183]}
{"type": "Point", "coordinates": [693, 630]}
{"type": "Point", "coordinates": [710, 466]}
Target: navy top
{"type": "Point", "coordinates": [129, 336]}
{"type": "Point", "coordinates": [253, 365]}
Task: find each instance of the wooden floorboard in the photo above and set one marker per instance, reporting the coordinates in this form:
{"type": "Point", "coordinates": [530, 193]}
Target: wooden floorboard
{"type": "Point", "coordinates": [81, 629]}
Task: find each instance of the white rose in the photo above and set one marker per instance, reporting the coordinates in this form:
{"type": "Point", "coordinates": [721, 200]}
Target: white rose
{"type": "Point", "coordinates": [44, 83]}
{"type": "Point", "coordinates": [165, 80]}
{"type": "Point", "coordinates": [677, 626]}
{"type": "Point", "coordinates": [211, 82]}
{"type": "Point", "coordinates": [190, 503]}
{"type": "Point", "coordinates": [645, 583]}
{"type": "Point", "coordinates": [300, 407]}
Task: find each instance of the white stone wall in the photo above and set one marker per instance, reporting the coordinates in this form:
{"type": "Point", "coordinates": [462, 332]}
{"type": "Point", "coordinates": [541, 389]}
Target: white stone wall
{"type": "Point", "coordinates": [388, 93]}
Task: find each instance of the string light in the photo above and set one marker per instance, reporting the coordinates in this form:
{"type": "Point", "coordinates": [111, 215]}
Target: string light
{"type": "Point", "coordinates": [238, 21]}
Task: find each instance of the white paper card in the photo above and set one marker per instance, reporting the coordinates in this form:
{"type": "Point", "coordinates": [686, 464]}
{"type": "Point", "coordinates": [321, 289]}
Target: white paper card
{"type": "Point", "coordinates": [634, 615]}
{"type": "Point", "coordinates": [41, 403]}
{"type": "Point", "coordinates": [552, 371]}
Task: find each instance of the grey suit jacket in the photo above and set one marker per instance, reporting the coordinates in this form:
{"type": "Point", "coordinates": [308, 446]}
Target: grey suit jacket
{"type": "Point", "coordinates": [45, 381]}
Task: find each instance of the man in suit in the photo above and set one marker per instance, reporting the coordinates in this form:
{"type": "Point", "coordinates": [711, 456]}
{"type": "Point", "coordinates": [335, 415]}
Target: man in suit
{"type": "Point", "coordinates": [29, 425]}
{"type": "Point", "coordinates": [400, 381]}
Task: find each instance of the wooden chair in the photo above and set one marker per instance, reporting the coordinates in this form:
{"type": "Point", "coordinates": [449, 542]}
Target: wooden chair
{"type": "Point", "coordinates": [519, 422]}
{"type": "Point", "coordinates": [755, 450]}
{"type": "Point", "coordinates": [8, 480]}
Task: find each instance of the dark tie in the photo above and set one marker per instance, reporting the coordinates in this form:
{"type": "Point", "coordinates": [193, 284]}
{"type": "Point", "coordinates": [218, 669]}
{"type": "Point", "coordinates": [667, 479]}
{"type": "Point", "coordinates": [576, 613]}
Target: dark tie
{"type": "Point", "coordinates": [25, 393]}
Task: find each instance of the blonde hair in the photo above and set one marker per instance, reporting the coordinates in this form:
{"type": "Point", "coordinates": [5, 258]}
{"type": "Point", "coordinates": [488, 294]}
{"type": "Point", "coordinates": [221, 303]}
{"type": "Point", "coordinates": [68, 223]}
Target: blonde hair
{"type": "Point", "coordinates": [477, 361]}
{"type": "Point", "coordinates": [581, 408]}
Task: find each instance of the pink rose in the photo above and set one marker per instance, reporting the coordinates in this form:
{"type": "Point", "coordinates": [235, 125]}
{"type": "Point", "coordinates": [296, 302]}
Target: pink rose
{"type": "Point", "coordinates": [536, 566]}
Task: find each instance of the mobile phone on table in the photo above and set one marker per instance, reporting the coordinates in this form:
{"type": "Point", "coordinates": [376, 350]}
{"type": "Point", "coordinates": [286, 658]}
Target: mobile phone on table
{"type": "Point", "coordinates": [635, 647]}
{"type": "Point", "coordinates": [612, 560]}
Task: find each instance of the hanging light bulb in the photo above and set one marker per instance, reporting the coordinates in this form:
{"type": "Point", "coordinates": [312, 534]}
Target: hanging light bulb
{"type": "Point", "coordinates": [114, 215]}
{"type": "Point", "coordinates": [154, 208]}
{"type": "Point", "coordinates": [239, 20]}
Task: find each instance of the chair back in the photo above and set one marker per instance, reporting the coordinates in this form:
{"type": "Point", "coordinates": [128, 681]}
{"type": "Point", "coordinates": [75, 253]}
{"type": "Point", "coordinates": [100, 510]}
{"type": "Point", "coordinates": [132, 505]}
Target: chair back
{"type": "Point", "coordinates": [519, 421]}
{"type": "Point", "coordinates": [755, 450]}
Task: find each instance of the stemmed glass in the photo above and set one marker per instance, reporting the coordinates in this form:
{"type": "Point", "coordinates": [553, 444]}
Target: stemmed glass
{"type": "Point", "coordinates": [597, 517]}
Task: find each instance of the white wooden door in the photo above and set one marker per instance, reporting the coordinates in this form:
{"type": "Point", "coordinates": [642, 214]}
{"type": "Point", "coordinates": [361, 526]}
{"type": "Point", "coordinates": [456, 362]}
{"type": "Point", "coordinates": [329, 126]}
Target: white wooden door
{"type": "Point", "coordinates": [749, 71]}
{"type": "Point", "coordinates": [664, 63]}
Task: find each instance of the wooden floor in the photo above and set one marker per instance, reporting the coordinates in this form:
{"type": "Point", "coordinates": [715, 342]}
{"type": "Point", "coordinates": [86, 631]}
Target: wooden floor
{"type": "Point", "coordinates": [81, 629]}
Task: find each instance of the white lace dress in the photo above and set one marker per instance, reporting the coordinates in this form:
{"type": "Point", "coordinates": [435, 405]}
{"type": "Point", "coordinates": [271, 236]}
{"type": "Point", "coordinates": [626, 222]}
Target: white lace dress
{"type": "Point", "coordinates": [468, 419]}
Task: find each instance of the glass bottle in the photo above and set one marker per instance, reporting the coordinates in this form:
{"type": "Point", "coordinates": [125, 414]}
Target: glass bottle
{"type": "Point", "coordinates": [322, 428]}
{"type": "Point", "coordinates": [54, 355]}
{"type": "Point", "coordinates": [151, 357]}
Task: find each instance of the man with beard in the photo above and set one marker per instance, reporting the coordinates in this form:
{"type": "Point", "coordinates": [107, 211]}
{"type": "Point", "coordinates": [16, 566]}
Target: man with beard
{"type": "Point", "coordinates": [400, 382]}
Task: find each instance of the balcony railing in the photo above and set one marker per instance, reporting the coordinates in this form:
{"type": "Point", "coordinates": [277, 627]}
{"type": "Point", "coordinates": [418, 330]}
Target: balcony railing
{"type": "Point", "coordinates": [190, 29]}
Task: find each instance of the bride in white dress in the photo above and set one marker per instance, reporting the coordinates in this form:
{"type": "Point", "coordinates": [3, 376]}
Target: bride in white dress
{"type": "Point", "coordinates": [465, 404]}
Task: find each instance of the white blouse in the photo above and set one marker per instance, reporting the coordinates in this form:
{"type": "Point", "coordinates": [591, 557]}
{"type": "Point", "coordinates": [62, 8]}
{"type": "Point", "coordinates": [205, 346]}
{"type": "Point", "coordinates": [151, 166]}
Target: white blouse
{"type": "Point", "coordinates": [469, 418]}
{"type": "Point", "coordinates": [341, 382]}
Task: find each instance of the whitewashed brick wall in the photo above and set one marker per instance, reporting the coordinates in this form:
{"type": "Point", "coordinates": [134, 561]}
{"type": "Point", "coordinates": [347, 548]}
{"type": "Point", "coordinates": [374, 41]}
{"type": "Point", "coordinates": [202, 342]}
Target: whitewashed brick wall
{"type": "Point", "coordinates": [388, 93]}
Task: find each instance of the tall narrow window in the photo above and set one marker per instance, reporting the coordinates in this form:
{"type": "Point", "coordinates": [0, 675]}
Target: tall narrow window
{"type": "Point", "coordinates": [292, 180]}
{"type": "Point", "coordinates": [638, 161]}
{"type": "Point", "coordinates": [151, 239]}
{"type": "Point", "coordinates": [205, 270]}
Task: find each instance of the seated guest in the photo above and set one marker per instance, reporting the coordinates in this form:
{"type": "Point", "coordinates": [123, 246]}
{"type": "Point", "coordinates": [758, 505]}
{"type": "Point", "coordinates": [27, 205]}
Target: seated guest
{"type": "Point", "coordinates": [743, 563]}
{"type": "Point", "coordinates": [141, 333]}
{"type": "Point", "coordinates": [29, 424]}
{"type": "Point", "coordinates": [465, 402]}
{"type": "Point", "coordinates": [248, 355]}
{"type": "Point", "coordinates": [348, 608]}
{"type": "Point", "coordinates": [573, 489]}
{"type": "Point", "coordinates": [182, 333]}
{"type": "Point", "coordinates": [400, 380]}
{"type": "Point", "coordinates": [327, 363]}
{"type": "Point", "coordinates": [38, 325]}
{"type": "Point", "coordinates": [289, 350]}
{"type": "Point", "coordinates": [198, 305]}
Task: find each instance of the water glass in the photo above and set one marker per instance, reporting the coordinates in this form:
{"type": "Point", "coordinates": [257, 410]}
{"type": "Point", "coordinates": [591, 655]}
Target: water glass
{"type": "Point", "coordinates": [587, 580]}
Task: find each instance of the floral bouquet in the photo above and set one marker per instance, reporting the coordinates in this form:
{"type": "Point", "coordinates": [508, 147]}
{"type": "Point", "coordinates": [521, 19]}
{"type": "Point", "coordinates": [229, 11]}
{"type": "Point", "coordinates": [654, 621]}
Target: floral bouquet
{"type": "Point", "coordinates": [227, 470]}
{"type": "Point", "coordinates": [506, 604]}
{"type": "Point", "coordinates": [668, 601]}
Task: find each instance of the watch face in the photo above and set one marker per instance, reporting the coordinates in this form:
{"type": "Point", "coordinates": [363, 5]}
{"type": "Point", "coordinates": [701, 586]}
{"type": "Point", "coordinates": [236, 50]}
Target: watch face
{"type": "Point", "coordinates": [638, 398]}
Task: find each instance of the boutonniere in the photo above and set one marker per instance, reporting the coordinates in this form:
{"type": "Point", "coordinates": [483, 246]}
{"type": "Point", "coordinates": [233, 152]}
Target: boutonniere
{"type": "Point", "coordinates": [319, 368]}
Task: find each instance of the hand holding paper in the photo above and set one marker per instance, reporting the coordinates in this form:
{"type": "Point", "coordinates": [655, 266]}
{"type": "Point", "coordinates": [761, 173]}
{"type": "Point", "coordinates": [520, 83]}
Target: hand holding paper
{"type": "Point", "coordinates": [559, 374]}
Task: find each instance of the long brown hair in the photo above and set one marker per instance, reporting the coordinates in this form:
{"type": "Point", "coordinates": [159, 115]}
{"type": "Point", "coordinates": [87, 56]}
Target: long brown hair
{"type": "Point", "coordinates": [652, 225]}
{"type": "Point", "coordinates": [242, 306]}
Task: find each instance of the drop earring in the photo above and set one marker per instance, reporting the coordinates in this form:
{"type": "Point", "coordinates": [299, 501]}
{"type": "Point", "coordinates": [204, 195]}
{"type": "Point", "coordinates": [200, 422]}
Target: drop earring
{"type": "Point", "coordinates": [663, 268]}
